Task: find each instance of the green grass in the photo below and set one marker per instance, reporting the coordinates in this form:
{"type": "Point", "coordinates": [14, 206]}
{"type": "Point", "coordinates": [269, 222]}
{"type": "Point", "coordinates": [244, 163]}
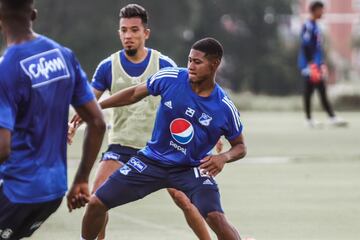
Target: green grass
{"type": "Point", "coordinates": [295, 183]}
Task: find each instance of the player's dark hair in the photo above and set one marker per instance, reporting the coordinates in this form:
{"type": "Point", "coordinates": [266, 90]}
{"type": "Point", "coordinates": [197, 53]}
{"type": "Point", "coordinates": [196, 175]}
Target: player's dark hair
{"type": "Point", "coordinates": [16, 9]}
{"type": "Point", "coordinates": [134, 10]}
{"type": "Point", "coordinates": [210, 46]}
{"type": "Point", "coordinates": [316, 5]}
{"type": "Point", "coordinates": [17, 5]}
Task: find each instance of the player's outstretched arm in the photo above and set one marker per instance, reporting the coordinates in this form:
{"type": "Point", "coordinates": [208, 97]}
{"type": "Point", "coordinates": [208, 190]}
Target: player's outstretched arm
{"type": "Point", "coordinates": [213, 164]}
{"type": "Point", "coordinates": [91, 114]}
{"type": "Point", "coordinates": [125, 97]}
{"type": "Point", "coordinates": [5, 146]}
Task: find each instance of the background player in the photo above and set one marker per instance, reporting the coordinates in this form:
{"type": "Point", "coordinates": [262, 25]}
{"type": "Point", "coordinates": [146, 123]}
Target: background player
{"type": "Point", "coordinates": [131, 126]}
{"type": "Point", "coordinates": [312, 66]}
{"type": "Point", "coordinates": [39, 80]}
{"type": "Point", "coordinates": [194, 112]}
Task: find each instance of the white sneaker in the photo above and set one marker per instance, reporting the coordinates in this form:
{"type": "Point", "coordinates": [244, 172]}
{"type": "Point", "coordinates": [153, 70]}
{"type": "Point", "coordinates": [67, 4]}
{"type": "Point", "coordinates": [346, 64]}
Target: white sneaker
{"type": "Point", "coordinates": [312, 123]}
{"type": "Point", "coordinates": [338, 122]}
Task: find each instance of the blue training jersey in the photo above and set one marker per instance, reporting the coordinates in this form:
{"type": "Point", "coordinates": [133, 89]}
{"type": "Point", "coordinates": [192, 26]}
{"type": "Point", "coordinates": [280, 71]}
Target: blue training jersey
{"type": "Point", "coordinates": [39, 80]}
{"type": "Point", "coordinates": [311, 45]}
{"type": "Point", "coordinates": [102, 78]}
{"type": "Point", "coordinates": [188, 126]}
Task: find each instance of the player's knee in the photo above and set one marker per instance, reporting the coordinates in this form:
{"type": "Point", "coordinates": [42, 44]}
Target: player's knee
{"type": "Point", "coordinates": [181, 200]}
{"type": "Point", "coordinates": [95, 206]}
{"type": "Point", "coordinates": [216, 219]}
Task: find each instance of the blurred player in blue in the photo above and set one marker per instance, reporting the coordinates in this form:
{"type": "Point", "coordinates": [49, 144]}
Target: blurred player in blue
{"type": "Point", "coordinates": [194, 112]}
{"type": "Point", "coordinates": [313, 68]}
{"type": "Point", "coordinates": [131, 126]}
{"type": "Point", "coordinates": [39, 80]}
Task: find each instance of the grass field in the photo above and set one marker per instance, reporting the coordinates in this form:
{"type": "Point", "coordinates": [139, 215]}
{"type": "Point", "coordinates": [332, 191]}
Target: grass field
{"type": "Point", "coordinates": [295, 183]}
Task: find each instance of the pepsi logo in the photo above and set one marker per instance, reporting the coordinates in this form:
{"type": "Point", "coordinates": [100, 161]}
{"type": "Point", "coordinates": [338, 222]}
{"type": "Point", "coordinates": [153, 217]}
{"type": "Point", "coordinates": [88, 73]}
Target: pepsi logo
{"type": "Point", "coordinates": [181, 130]}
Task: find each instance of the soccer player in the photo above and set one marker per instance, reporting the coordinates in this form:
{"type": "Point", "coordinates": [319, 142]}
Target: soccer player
{"type": "Point", "coordinates": [313, 68]}
{"type": "Point", "coordinates": [39, 80]}
{"type": "Point", "coordinates": [131, 126]}
{"type": "Point", "coordinates": [194, 112]}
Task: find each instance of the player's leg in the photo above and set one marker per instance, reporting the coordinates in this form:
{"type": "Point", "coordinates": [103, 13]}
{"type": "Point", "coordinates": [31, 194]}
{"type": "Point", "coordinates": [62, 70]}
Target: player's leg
{"type": "Point", "coordinates": [93, 219]}
{"type": "Point", "coordinates": [333, 119]}
{"type": "Point", "coordinates": [114, 158]}
{"type": "Point", "coordinates": [191, 213]}
{"type": "Point", "coordinates": [40, 213]}
{"type": "Point", "coordinates": [308, 91]}
{"type": "Point", "coordinates": [22, 220]}
{"type": "Point", "coordinates": [324, 99]}
{"type": "Point", "coordinates": [133, 181]}
{"type": "Point", "coordinates": [204, 194]}
{"type": "Point", "coordinates": [207, 200]}
{"type": "Point", "coordinates": [105, 170]}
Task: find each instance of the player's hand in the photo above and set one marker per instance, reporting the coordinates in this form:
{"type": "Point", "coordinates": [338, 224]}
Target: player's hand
{"type": "Point", "coordinates": [213, 164]}
{"type": "Point", "coordinates": [76, 119]}
{"type": "Point", "coordinates": [315, 73]}
{"type": "Point", "coordinates": [324, 71]}
{"type": "Point", "coordinates": [73, 125]}
{"type": "Point", "coordinates": [71, 133]}
{"type": "Point", "coordinates": [78, 196]}
{"type": "Point", "coordinates": [219, 146]}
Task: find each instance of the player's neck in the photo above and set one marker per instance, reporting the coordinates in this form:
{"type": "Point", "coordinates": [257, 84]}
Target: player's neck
{"type": "Point", "coordinates": [203, 88]}
{"type": "Point", "coordinates": [13, 37]}
{"type": "Point", "coordinates": [139, 56]}
{"type": "Point", "coordinates": [314, 18]}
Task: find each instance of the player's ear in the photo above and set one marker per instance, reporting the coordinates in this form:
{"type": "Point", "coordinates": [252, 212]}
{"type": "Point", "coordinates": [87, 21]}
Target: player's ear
{"type": "Point", "coordinates": [147, 33]}
{"type": "Point", "coordinates": [34, 14]}
{"type": "Point", "coordinates": [215, 63]}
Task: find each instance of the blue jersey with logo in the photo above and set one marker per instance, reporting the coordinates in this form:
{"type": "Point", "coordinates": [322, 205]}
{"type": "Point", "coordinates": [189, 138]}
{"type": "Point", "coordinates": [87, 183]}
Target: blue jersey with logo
{"type": "Point", "coordinates": [188, 126]}
{"type": "Point", "coordinates": [311, 45]}
{"type": "Point", "coordinates": [39, 80]}
{"type": "Point", "coordinates": [102, 78]}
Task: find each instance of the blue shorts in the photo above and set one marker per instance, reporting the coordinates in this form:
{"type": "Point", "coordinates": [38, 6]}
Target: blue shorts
{"type": "Point", "coordinates": [19, 220]}
{"type": "Point", "coordinates": [141, 176]}
{"type": "Point", "coordinates": [119, 153]}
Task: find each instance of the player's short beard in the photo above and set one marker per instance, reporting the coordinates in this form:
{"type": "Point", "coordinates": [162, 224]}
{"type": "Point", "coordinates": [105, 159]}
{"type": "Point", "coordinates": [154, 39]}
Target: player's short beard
{"type": "Point", "coordinates": [131, 52]}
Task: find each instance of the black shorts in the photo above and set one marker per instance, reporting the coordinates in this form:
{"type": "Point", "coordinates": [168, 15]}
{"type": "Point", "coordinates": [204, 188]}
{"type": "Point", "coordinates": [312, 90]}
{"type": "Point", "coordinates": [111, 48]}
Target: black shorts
{"type": "Point", "coordinates": [119, 153]}
{"type": "Point", "coordinates": [18, 220]}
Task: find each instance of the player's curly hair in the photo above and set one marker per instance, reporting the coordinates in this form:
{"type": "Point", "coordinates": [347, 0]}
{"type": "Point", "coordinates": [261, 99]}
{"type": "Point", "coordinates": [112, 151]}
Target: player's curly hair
{"type": "Point", "coordinates": [210, 46]}
{"type": "Point", "coordinates": [134, 10]}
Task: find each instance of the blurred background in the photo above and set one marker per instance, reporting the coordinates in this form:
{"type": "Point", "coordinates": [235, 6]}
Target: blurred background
{"type": "Point", "coordinates": [261, 40]}
{"type": "Point", "coordinates": [295, 183]}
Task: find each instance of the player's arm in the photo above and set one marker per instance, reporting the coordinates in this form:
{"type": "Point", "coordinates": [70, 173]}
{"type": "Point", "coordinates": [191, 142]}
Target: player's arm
{"type": "Point", "coordinates": [99, 84]}
{"type": "Point", "coordinates": [308, 43]}
{"type": "Point", "coordinates": [91, 114]}
{"type": "Point", "coordinates": [9, 97]}
{"type": "Point", "coordinates": [126, 96]}
{"type": "Point", "coordinates": [88, 109]}
{"type": "Point", "coordinates": [213, 164]}
{"type": "Point", "coordinates": [237, 150]}
{"type": "Point", "coordinates": [5, 144]}
{"type": "Point", "coordinates": [76, 120]}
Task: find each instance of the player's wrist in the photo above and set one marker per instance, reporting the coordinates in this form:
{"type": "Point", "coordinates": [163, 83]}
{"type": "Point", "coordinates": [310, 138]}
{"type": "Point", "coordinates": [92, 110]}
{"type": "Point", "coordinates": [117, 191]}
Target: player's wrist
{"type": "Point", "coordinates": [81, 178]}
{"type": "Point", "coordinates": [225, 157]}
